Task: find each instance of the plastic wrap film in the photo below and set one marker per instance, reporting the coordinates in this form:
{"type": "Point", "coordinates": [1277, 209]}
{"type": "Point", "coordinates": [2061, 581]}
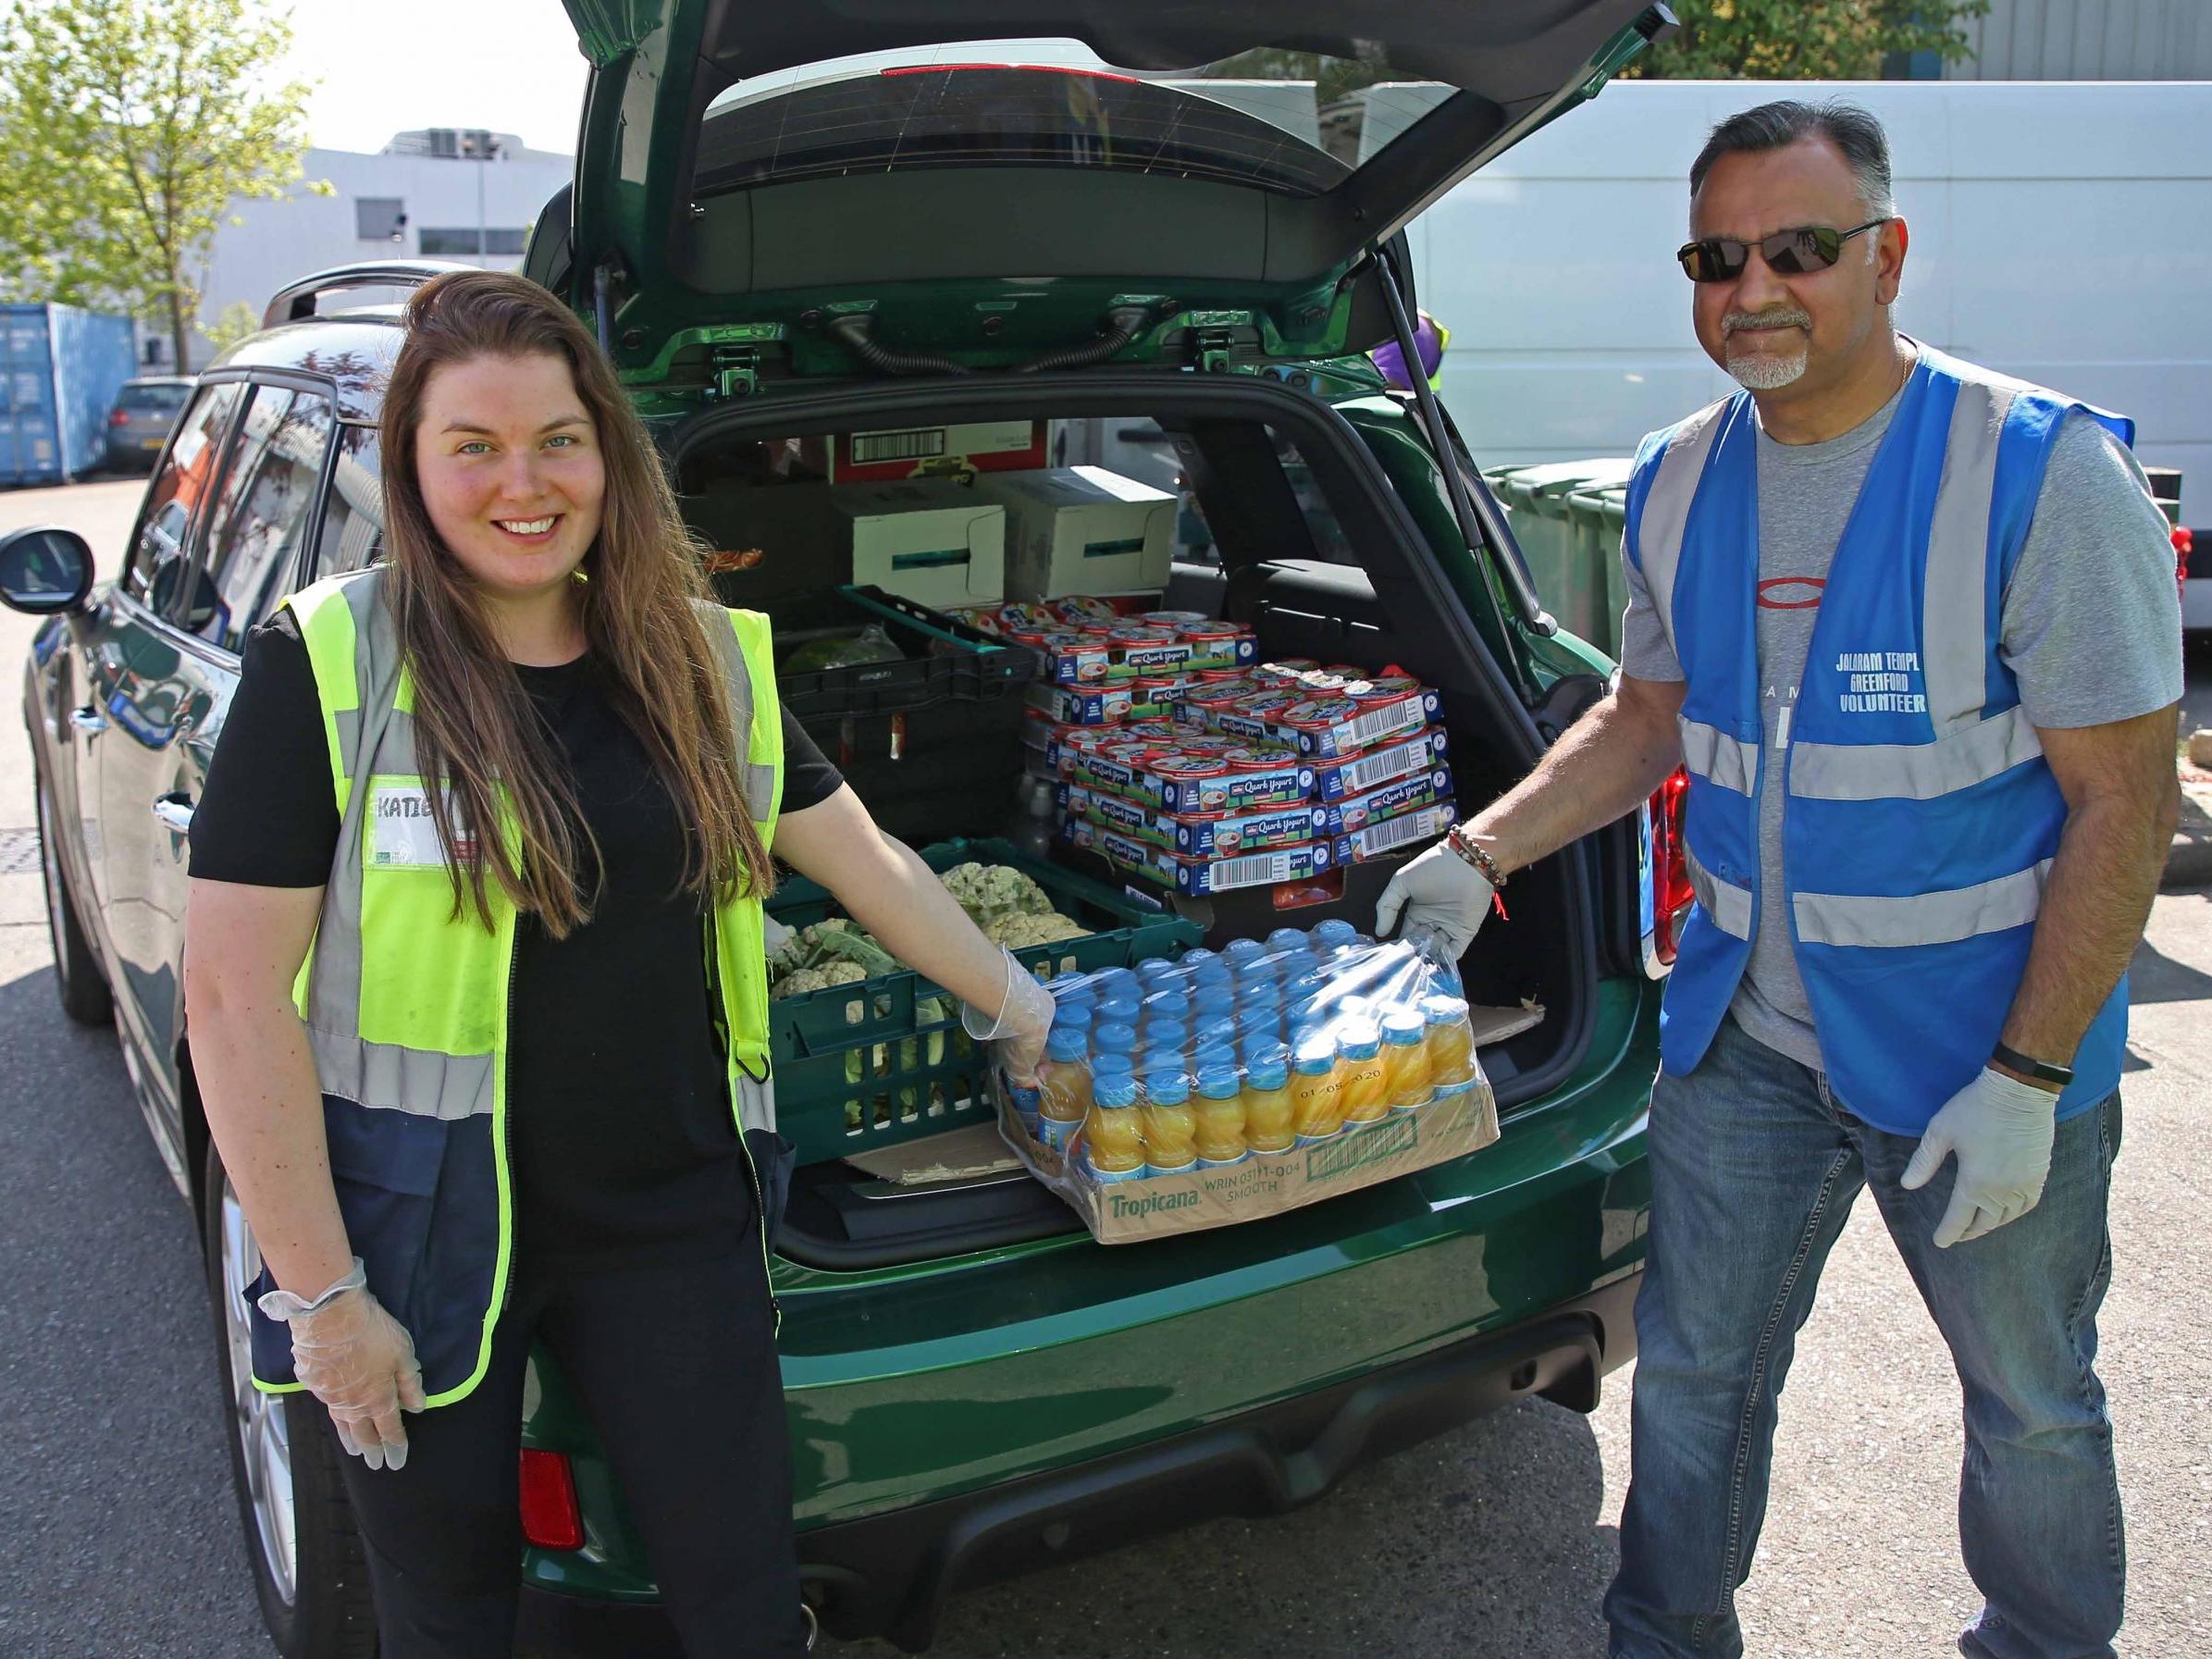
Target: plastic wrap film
{"type": "Point", "coordinates": [1227, 1085]}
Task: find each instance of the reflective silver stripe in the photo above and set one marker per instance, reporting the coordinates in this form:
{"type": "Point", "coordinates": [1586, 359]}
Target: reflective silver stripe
{"type": "Point", "coordinates": [1954, 642]}
{"type": "Point", "coordinates": [1712, 754]}
{"type": "Point", "coordinates": [1914, 771]}
{"type": "Point", "coordinates": [756, 1102]}
{"type": "Point", "coordinates": [447, 1086]}
{"type": "Point", "coordinates": [1935, 917]}
{"type": "Point", "coordinates": [760, 782]}
{"type": "Point", "coordinates": [395, 749]}
{"type": "Point", "coordinates": [1666, 508]}
{"type": "Point", "coordinates": [760, 790]}
{"type": "Point", "coordinates": [1729, 905]}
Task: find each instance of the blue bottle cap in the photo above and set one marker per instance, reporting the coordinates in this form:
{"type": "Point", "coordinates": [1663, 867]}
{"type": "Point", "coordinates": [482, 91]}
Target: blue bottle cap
{"type": "Point", "coordinates": [1307, 983]}
{"type": "Point", "coordinates": [1257, 1019]}
{"type": "Point", "coordinates": [1287, 938]}
{"type": "Point", "coordinates": [1216, 972]}
{"type": "Point", "coordinates": [1273, 1073]}
{"type": "Point", "coordinates": [1165, 1033]}
{"type": "Point", "coordinates": [1441, 1009]}
{"type": "Point", "coordinates": [1114, 1038]}
{"type": "Point", "coordinates": [1211, 1001]}
{"type": "Point", "coordinates": [1220, 1029]}
{"type": "Point", "coordinates": [1115, 1089]}
{"type": "Point", "coordinates": [1212, 1057]}
{"type": "Point", "coordinates": [1166, 1005]}
{"type": "Point", "coordinates": [1115, 982]}
{"type": "Point", "coordinates": [1219, 1082]}
{"type": "Point", "coordinates": [1152, 970]}
{"type": "Point", "coordinates": [1239, 951]}
{"type": "Point", "coordinates": [1079, 987]}
{"type": "Point", "coordinates": [1198, 956]}
{"type": "Point", "coordinates": [1335, 931]}
{"type": "Point", "coordinates": [1121, 1010]}
{"type": "Point", "coordinates": [1071, 1016]}
{"type": "Point", "coordinates": [1403, 1026]}
{"type": "Point", "coordinates": [1161, 1059]}
{"type": "Point", "coordinates": [1106, 1065]}
{"type": "Point", "coordinates": [1166, 1088]}
{"type": "Point", "coordinates": [1315, 1056]}
{"type": "Point", "coordinates": [1066, 1044]}
{"type": "Point", "coordinates": [1266, 1052]}
{"type": "Point", "coordinates": [1361, 1040]}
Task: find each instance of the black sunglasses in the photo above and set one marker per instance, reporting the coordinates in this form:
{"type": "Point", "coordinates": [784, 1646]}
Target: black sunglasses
{"type": "Point", "coordinates": [1787, 252]}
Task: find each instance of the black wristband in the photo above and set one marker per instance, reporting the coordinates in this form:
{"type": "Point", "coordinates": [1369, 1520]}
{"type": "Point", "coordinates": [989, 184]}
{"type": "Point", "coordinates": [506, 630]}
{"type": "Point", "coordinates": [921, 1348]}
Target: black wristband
{"type": "Point", "coordinates": [2042, 1071]}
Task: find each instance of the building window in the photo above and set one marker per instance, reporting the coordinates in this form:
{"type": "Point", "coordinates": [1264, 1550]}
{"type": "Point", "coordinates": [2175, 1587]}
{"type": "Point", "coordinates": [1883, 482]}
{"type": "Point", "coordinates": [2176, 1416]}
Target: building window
{"type": "Point", "coordinates": [379, 218]}
{"type": "Point", "coordinates": [449, 242]}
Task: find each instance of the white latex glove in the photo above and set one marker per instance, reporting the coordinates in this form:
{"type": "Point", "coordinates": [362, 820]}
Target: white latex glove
{"type": "Point", "coordinates": [358, 1360]}
{"type": "Point", "coordinates": [1020, 1026]}
{"type": "Point", "coordinates": [2000, 1127]}
{"type": "Point", "coordinates": [1440, 893]}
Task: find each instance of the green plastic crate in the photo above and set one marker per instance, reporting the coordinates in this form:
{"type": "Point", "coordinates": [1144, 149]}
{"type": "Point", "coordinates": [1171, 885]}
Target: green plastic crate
{"type": "Point", "coordinates": [1575, 579]}
{"type": "Point", "coordinates": [884, 1060]}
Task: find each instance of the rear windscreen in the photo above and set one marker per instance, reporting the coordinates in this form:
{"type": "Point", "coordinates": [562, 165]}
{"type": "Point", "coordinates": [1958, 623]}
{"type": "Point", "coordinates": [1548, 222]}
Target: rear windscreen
{"type": "Point", "coordinates": [1290, 122]}
{"type": "Point", "coordinates": [163, 400]}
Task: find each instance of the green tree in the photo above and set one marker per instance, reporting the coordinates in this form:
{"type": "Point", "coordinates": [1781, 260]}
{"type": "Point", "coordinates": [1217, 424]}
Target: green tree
{"type": "Point", "coordinates": [126, 127]}
{"type": "Point", "coordinates": [1804, 39]}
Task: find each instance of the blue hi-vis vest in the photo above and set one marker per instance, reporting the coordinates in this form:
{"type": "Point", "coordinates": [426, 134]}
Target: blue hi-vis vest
{"type": "Point", "coordinates": [1920, 817]}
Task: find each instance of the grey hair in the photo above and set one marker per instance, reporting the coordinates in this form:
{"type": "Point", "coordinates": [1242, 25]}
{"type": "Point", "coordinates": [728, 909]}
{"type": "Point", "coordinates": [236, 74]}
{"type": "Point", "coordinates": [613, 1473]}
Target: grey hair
{"type": "Point", "coordinates": [1854, 132]}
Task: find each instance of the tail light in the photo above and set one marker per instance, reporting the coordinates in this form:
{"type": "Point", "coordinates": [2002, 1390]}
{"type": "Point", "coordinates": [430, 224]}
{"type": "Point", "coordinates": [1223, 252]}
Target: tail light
{"type": "Point", "coordinates": [1667, 887]}
{"type": "Point", "coordinates": [550, 1517]}
{"type": "Point", "coordinates": [2193, 564]}
{"type": "Point", "coordinates": [119, 417]}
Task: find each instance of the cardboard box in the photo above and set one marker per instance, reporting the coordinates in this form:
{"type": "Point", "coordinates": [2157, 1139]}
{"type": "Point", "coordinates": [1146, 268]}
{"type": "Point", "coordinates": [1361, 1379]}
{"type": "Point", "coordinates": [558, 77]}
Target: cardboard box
{"type": "Point", "coordinates": [1333, 780]}
{"type": "Point", "coordinates": [1395, 834]}
{"type": "Point", "coordinates": [1161, 1206]}
{"type": "Point", "coordinates": [1202, 837]}
{"type": "Point", "coordinates": [923, 538]}
{"type": "Point", "coordinates": [954, 450]}
{"type": "Point", "coordinates": [1196, 878]}
{"type": "Point", "coordinates": [1082, 529]}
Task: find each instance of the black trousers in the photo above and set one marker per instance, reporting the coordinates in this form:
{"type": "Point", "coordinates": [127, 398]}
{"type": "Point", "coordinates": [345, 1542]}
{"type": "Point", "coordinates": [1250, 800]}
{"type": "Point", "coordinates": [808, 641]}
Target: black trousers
{"type": "Point", "coordinates": [676, 1367]}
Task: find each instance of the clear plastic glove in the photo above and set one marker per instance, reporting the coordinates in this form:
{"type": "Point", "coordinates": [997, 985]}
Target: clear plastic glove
{"type": "Point", "coordinates": [358, 1360]}
{"type": "Point", "coordinates": [2000, 1127]}
{"type": "Point", "coordinates": [1020, 1026]}
{"type": "Point", "coordinates": [1439, 893]}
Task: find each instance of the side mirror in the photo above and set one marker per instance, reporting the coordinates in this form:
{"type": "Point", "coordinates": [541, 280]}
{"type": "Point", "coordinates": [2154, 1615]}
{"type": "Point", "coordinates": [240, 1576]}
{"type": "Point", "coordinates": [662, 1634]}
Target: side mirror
{"type": "Point", "coordinates": [44, 569]}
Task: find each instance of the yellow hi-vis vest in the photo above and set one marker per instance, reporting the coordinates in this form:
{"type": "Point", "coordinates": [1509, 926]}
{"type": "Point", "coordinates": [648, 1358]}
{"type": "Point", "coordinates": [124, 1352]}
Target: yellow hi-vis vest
{"type": "Point", "coordinates": [406, 1004]}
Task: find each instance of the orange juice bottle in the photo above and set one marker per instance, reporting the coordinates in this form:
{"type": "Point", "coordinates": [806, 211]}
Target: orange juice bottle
{"type": "Point", "coordinates": [1405, 1059]}
{"type": "Point", "coordinates": [1269, 1112]}
{"type": "Point", "coordinates": [1220, 1118]}
{"type": "Point", "coordinates": [1114, 1135]}
{"type": "Point", "coordinates": [1450, 1044]}
{"type": "Point", "coordinates": [1064, 1089]}
{"type": "Point", "coordinates": [1317, 1091]}
{"type": "Point", "coordinates": [1171, 1126]}
{"type": "Point", "coordinates": [1366, 1089]}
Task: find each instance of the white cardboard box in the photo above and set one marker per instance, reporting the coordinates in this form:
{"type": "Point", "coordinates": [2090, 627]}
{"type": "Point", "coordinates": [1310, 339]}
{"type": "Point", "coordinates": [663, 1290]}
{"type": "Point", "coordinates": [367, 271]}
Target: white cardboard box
{"type": "Point", "coordinates": [1082, 529]}
{"type": "Point", "coordinates": [927, 539]}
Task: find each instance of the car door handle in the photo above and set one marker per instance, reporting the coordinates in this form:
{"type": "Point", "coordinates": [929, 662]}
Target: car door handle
{"type": "Point", "coordinates": [175, 813]}
{"type": "Point", "coordinates": [88, 720]}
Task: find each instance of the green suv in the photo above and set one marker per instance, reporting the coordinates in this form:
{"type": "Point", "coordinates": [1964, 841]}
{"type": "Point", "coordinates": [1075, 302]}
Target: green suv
{"type": "Point", "coordinates": [1175, 273]}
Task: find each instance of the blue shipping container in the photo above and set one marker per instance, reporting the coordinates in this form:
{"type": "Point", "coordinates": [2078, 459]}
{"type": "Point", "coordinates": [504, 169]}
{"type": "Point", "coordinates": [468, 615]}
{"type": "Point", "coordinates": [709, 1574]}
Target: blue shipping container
{"type": "Point", "coordinates": [60, 369]}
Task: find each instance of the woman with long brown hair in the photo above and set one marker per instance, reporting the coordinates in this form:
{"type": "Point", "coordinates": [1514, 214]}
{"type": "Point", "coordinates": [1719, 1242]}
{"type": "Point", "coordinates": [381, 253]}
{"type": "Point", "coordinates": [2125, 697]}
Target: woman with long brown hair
{"type": "Point", "coordinates": [475, 984]}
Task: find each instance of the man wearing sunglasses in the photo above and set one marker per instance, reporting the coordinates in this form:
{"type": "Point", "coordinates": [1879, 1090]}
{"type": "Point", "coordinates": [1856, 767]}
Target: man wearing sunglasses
{"type": "Point", "coordinates": [1911, 629]}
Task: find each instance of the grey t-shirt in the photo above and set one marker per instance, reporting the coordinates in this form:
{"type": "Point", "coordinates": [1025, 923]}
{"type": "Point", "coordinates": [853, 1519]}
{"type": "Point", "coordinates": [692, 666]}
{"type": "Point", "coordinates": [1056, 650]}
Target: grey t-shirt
{"type": "Point", "coordinates": [2090, 626]}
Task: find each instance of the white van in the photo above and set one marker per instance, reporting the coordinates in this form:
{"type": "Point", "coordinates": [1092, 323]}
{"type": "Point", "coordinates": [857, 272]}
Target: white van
{"type": "Point", "coordinates": [2061, 231]}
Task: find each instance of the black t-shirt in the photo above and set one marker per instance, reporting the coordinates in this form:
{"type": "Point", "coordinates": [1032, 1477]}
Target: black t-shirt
{"type": "Point", "coordinates": [625, 1151]}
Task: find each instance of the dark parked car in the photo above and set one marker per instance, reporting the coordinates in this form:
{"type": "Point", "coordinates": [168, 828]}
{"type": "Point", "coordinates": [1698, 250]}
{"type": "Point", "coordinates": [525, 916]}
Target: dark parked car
{"type": "Point", "coordinates": [975, 1387]}
{"type": "Point", "coordinates": [139, 423]}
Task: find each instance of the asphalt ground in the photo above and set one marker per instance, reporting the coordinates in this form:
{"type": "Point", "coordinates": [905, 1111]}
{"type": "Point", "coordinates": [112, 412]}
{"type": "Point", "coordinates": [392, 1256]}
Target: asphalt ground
{"type": "Point", "coordinates": [120, 1535]}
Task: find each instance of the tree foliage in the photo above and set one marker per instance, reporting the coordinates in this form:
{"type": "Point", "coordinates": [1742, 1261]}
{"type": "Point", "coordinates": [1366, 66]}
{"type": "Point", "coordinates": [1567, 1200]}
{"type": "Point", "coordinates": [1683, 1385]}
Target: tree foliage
{"type": "Point", "coordinates": [1804, 39]}
{"type": "Point", "coordinates": [126, 127]}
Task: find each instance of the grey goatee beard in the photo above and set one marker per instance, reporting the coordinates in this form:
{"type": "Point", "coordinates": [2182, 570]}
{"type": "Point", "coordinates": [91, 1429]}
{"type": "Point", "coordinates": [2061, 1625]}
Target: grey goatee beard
{"type": "Point", "coordinates": [1761, 371]}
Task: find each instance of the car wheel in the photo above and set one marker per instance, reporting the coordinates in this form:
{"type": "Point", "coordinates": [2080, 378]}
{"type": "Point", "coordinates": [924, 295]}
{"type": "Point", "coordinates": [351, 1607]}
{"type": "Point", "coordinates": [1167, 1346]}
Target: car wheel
{"type": "Point", "coordinates": [302, 1541]}
{"type": "Point", "coordinates": [84, 994]}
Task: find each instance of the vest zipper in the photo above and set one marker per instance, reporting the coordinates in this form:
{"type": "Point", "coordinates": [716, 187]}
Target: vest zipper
{"type": "Point", "coordinates": [506, 1126]}
{"type": "Point", "coordinates": [722, 1042]}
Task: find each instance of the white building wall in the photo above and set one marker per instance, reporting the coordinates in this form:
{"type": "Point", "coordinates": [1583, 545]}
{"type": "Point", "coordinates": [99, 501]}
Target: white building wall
{"type": "Point", "coordinates": [2088, 40]}
{"type": "Point", "coordinates": [282, 240]}
{"type": "Point", "coordinates": [2061, 231]}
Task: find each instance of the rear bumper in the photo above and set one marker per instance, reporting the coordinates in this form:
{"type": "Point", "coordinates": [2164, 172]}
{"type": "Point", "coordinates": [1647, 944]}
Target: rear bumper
{"type": "Point", "coordinates": [891, 1573]}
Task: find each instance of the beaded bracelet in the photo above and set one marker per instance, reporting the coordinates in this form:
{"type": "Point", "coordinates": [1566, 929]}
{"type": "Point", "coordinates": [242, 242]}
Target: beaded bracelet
{"type": "Point", "coordinates": [1474, 853]}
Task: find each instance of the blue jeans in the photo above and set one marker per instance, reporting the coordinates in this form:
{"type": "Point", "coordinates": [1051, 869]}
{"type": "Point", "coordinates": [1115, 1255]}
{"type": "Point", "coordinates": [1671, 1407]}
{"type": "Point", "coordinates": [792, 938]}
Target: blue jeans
{"type": "Point", "coordinates": [1754, 1166]}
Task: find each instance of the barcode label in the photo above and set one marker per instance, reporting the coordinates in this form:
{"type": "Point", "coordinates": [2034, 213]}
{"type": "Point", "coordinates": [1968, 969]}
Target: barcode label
{"type": "Point", "coordinates": [1392, 832]}
{"type": "Point", "coordinates": [1395, 717]}
{"type": "Point", "coordinates": [1251, 869]}
{"type": "Point", "coordinates": [1366, 774]}
{"type": "Point", "coordinates": [914, 445]}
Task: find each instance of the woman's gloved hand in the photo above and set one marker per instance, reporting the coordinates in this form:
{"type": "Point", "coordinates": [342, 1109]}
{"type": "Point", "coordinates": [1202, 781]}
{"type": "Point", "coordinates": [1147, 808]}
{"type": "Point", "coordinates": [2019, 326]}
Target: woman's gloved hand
{"type": "Point", "coordinates": [358, 1360]}
{"type": "Point", "coordinates": [1019, 1027]}
{"type": "Point", "coordinates": [1439, 894]}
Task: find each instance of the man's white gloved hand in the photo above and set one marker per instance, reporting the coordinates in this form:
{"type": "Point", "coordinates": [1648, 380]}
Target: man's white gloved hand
{"type": "Point", "coordinates": [2000, 1127]}
{"type": "Point", "coordinates": [358, 1360]}
{"type": "Point", "coordinates": [1020, 1026]}
{"type": "Point", "coordinates": [1439, 893]}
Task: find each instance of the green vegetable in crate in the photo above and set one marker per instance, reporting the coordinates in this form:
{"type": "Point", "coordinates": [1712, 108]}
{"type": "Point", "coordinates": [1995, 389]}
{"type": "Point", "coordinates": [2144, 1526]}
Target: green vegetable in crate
{"type": "Point", "coordinates": [988, 892]}
{"type": "Point", "coordinates": [1016, 932]}
{"type": "Point", "coordinates": [800, 980]}
{"type": "Point", "coordinates": [835, 940]}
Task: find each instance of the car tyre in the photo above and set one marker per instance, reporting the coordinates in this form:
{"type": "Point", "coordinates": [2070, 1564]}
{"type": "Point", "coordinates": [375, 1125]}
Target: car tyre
{"type": "Point", "coordinates": [84, 994]}
{"type": "Point", "coordinates": [302, 1544]}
